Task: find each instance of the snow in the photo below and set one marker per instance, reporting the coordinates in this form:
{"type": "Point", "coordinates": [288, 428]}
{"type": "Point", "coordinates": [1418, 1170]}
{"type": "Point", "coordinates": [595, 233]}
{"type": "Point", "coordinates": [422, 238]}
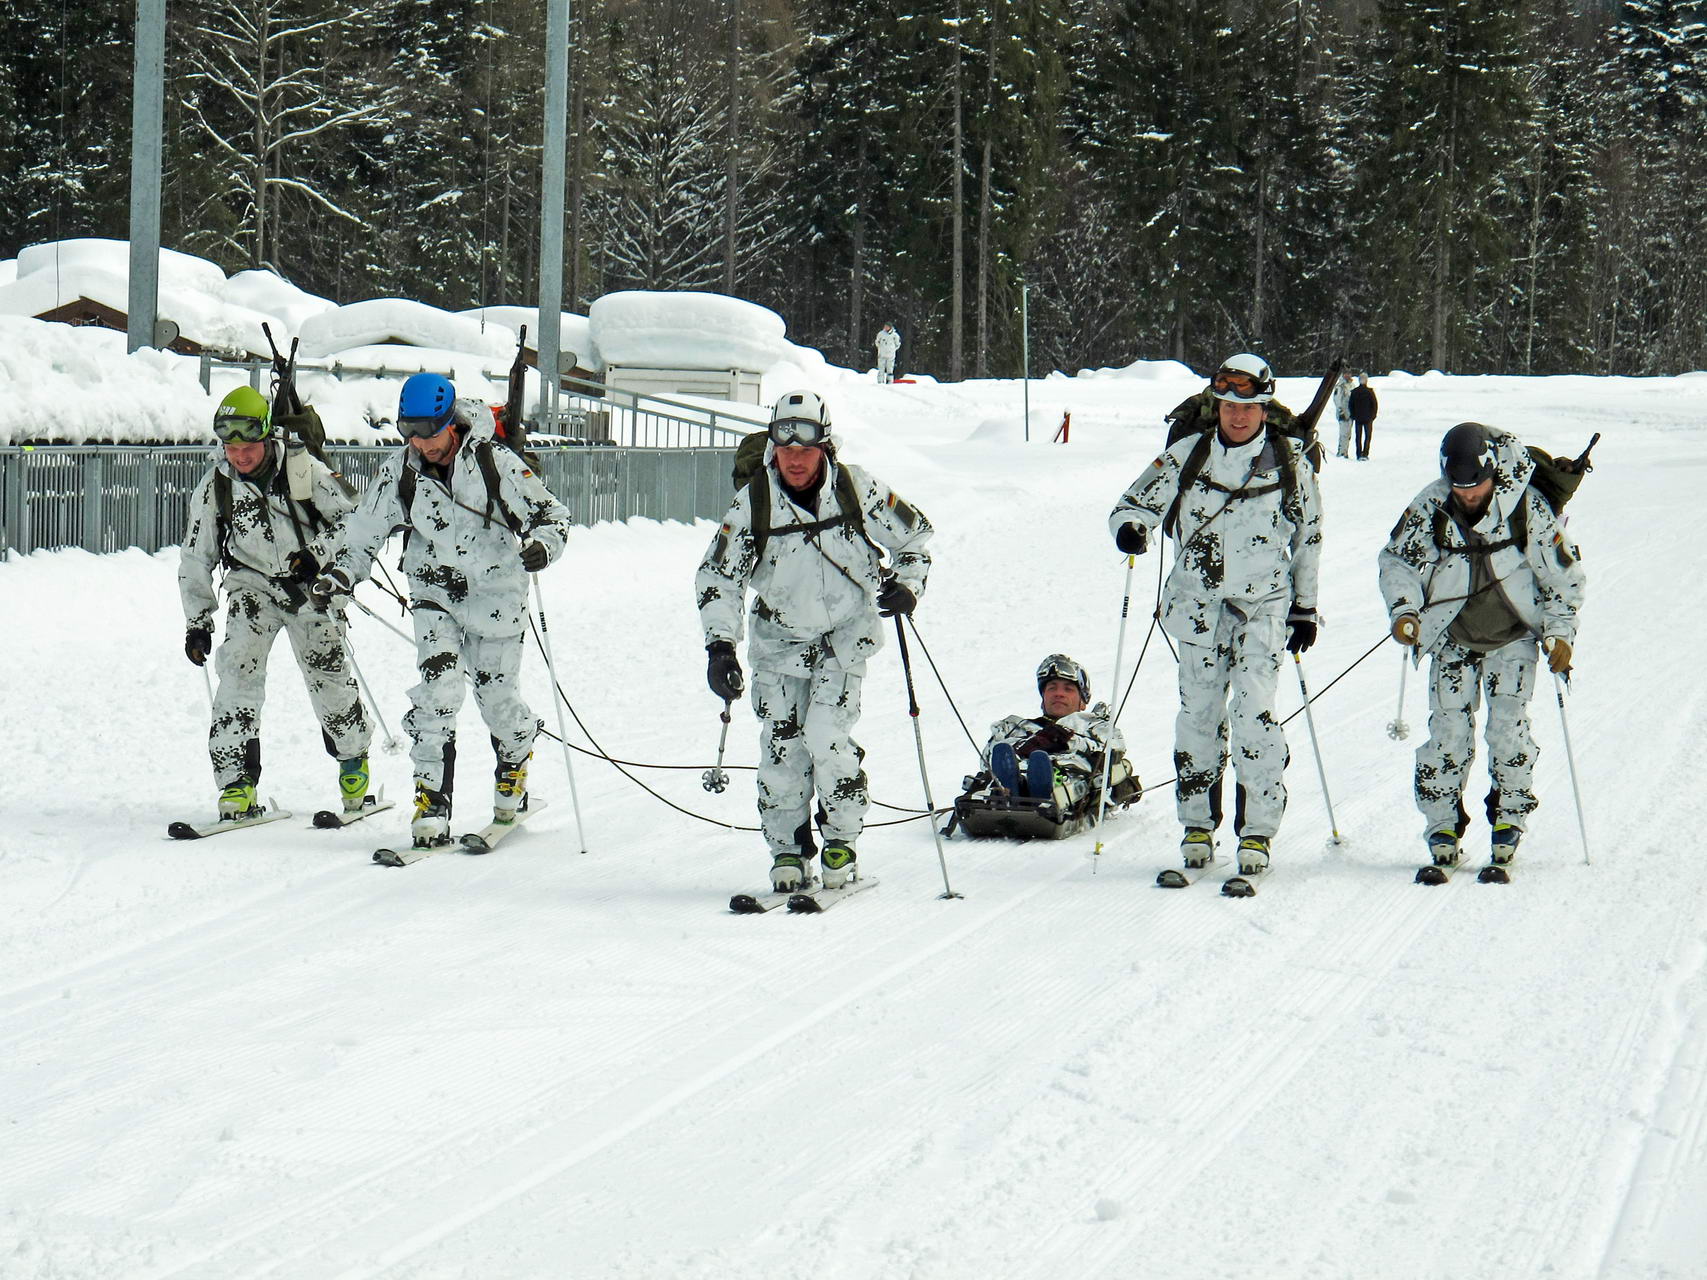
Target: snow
{"type": "Point", "coordinates": [574, 334]}
{"type": "Point", "coordinates": [403, 322]}
{"type": "Point", "coordinates": [686, 331]}
{"type": "Point", "coordinates": [263, 1055]}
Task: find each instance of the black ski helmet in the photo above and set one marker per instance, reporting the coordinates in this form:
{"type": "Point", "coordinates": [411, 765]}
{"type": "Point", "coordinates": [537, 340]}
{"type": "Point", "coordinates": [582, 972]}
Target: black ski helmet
{"type": "Point", "coordinates": [1466, 455]}
{"type": "Point", "coordinates": [1058, 666]}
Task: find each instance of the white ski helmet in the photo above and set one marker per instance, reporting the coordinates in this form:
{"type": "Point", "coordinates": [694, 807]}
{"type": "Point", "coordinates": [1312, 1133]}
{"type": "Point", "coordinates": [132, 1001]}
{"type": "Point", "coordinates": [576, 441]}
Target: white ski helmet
{"type": "Point", "coordinates": [800, 417]}
{"type": "Point", "coordinates": [1058, 666]}
{"type": "Point", "coordinates": [1243, 379]}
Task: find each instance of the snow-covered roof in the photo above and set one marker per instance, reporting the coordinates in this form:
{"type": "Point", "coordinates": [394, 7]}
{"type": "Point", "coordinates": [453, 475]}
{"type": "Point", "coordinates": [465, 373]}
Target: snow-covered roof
{"type": "Point", "coordinates": [651, 330]}
{"type": "Point", "coordinates": [401, 321]}
{"type": "Point", "coordinates": [574, 334]}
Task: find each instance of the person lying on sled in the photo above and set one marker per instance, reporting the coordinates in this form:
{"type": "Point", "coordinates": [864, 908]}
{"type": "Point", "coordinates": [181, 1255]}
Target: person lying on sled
{"type": "Point", "coordinates": [1058, 754]}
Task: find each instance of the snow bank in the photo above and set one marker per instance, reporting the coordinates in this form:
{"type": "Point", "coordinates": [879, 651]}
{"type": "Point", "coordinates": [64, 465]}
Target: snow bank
{"type": "Point", "coordinates": [201, 317]}
{"type": "Point", "coordinates": [8, 271]}
{"type": "Point", "coordinates": [177, 270]}
{"type": "Point", "coordinates": [273, 295]}
{"type": "Point", "coordinates": [398, 320]}
{"type": "Point", "coordinates": [1148, 370]}
{"type": "Point", "coordinates": [574, 336]}
{"type": "Point", "coordinates": [687, 331]}
{"type": "Point", "coordinates": [76, 384]}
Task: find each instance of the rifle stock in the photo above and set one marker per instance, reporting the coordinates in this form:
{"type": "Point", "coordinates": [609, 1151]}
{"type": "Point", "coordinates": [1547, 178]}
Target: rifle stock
{"type": "Point", "coordinates": [1319, 401]}
{"type": "Point", "coordinates": [515, 426]}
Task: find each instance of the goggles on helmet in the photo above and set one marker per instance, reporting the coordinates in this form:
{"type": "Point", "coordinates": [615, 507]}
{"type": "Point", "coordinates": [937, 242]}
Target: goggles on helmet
{"type": "Point", "coordinates": [1239, 383]}
{"type": "Point", "coordinates": [1058, 666]}
{"type": "Point", "coordinates": [423, 428]}
{"type": "Point", "coordinates": [800, 431]}
{"type": "Point", "coordinates": [241, 428]}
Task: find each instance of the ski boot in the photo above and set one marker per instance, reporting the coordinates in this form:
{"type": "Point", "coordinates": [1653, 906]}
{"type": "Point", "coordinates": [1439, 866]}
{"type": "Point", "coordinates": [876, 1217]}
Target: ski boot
{"type": "Point", "coordinates": [1253, 855]}
{"type": "Point", "coordinates": [237, 803]}
{"type": "Point", "coordinates": [511, 794]}
{"type": "Point", "coordinates": [353, 782]}
{"type": "Point", "coordinates": [788, 872]}
{"type": "Point", "coordinates": [1004, 767]}
{"type": "Point", "coordinates": [431, 828]}
{"type": "Point", "coordinates": [1504, 844]}
{"type": "Point", "coordinates": [1198, 847]}
{"type": "Point", "coordinates": [1443, 848]}
{"type": "Point", "coordinates": [1040, 776]}
{"type": "Point", "coordinates": [839, 865]}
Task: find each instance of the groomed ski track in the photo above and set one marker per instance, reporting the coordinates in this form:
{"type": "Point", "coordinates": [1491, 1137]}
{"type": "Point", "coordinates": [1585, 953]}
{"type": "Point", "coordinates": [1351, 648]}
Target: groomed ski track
{"type": "Point", "coordinates": [266, 1057]}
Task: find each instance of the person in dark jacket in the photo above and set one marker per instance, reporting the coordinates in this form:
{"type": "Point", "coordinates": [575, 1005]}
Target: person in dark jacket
{"type": "Point", "coordinates": [1363, 411]}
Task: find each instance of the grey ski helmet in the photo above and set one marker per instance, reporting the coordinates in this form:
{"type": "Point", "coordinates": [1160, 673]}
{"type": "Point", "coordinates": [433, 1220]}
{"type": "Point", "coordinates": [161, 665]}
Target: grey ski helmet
{"type": "Point", "coordinates": [1466, 455]}
{"type": "Point", "coordinates": [1058, 666]}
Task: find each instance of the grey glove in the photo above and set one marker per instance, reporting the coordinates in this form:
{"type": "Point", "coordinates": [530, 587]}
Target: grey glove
{"type": "Point", "coordinates": [894, 597]}
{"type": "Point", "coordinates": [534, 556]}
{"type": "Point", "coordinates": [327, 587]}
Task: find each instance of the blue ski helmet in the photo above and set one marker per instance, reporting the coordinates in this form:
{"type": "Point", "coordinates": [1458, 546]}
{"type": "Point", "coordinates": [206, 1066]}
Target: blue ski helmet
{"type": "Point", "coordinates": [424, 407]}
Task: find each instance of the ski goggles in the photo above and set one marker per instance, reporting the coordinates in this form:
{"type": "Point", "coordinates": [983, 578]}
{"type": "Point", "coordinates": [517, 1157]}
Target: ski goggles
{"type": "Point", "coordinates": [423, 428]}
{"type": "Point", "coordinates": [799, 431]}
{"type": "Point", "coordinates": [238, 428]}
{"type": "Point", "coordinates": [1060, 667]}
{"type": "Point", "coordinates": [1239, 383]}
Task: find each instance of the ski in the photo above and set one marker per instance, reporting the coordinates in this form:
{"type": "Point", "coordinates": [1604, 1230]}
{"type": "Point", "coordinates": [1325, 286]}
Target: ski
{"type": "Point", "coordinates": [333, 819]}
{"type": "Point", "coordinates": [1494, 873]}
{"type": "Point", "coordinates": [754, 904]}
{"type": "Point", "coordinates": [1437, 872]}
{"type": "Point", "coordinates": [488, 837]}
{"type": "Point", "coordinates": [818, 900]}
{"type": "Point", "coordinates": [1182, 877]}
{"type": "Point", "coordinates": [190, 831]}
{"type": "Point", "coordinates": [403, 857]}
{"type": "Point", "coordinates": [1243, 885]}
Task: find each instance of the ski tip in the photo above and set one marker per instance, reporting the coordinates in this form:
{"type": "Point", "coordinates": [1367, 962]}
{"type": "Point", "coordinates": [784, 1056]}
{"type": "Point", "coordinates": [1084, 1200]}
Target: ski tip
{"type": "Point", "coordinates": [326, 820]}
{"type": "Point", "coordinates": [183, 831]}
{"type": "Point", "coordinates": [745, 904]}
{"type": "Point", "coordinates": [1430, 875]}
{"type": "Point", "coordinates": [804, 904]}
{"type": "Point", "coordinates": [1171, 879]}
{"type": "Point", "coordinates": [1493, 875]}
{"type": "Point", "coordinates": [387, 858]}
{"type": "Point", "coordinates": [1238, 887]}
{"type": "Point", "coordinates": [472, 843]}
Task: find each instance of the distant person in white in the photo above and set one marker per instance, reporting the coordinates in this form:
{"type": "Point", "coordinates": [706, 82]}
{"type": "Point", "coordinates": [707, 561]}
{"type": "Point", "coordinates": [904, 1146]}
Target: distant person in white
{"type": "Point", "coordinates": [888, 343]}
{"type": "Point", "coordinates": [1342, 411]}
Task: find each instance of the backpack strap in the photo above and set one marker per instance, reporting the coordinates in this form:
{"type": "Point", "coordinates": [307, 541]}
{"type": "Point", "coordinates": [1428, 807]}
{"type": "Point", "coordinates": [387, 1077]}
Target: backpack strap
{"type": "Point", "coordinates": [222, 503]}
{"type": "Point", "coordinates": [1518, 524]}
{"type": "Point", "coordinates": [489, 472]}
{"type": "Point", "coordinates": [1189, 470]}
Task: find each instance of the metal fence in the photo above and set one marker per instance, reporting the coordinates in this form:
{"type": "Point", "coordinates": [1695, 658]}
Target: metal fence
{"type": "Point", "coordinates": [109, 497]}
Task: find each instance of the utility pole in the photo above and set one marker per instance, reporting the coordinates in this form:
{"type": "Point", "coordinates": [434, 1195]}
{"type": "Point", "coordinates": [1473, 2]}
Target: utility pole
{"type": "Point", "coordinates": [147, 111]}
{"type": "Point", "coordinates": [551, 207]}
{"type": "Point", "coordinates": [1025, 350]}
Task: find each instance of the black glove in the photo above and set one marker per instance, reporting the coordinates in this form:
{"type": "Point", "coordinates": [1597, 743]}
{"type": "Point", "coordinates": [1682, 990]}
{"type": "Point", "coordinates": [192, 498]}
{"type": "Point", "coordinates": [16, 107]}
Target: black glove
{"type": "Point", "coordinates": [534, 556]}
{"type": "Point", "coordinates": [1052, 738]}
{"type": "Point", "coordinates": [1302, 623]}
{"type": "Point", "coordinates": [893, 597]}
{"type": "Point", "coordinates": [328, 585]}
{"type": "Point", "coordinates": [1132, 538]}
{"type": "Point", "coordinates": [198, 643]}
{"type": "Point", "coordinates": [723, 670]}
{"type": "Point", "coordinates": [302, 566]}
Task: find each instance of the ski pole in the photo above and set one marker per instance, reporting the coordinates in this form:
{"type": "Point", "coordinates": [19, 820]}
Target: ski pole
{"type": "Point", "coordinates": [714, 778]}
{"type": "Point", "coordinates": [1562, 678]}
{"type": "Point", "coordinates": [1397, 728]}
{"type": "Point", "coordinates": [1315, 744]}
{"type": "Point", "coordinates": [391, 746]}
{"type": "Point", "coordinates": [557, 704]}
{"type": "Point", "coordinates": [208, 681]}
{"type": "Point", "coordinates": [1119, 655]}
{"type": "Point", "coordinates": [924, 774]}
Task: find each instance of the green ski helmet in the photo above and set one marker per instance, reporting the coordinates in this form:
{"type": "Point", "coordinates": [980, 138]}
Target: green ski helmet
{"type": "Point", "coordinates": [243, 417]}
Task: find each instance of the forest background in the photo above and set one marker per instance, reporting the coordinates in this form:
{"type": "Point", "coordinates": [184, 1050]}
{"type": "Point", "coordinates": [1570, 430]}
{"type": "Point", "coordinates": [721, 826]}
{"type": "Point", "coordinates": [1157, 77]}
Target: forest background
{"type": "Point", "coordinates": [1507, 186]}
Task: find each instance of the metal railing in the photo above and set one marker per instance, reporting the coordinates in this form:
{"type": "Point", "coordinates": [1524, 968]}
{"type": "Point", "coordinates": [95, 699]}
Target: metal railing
{"type": "Point", "coordinates": [586, 410]}
{"type": "Point", "coordinates": [109, 497]}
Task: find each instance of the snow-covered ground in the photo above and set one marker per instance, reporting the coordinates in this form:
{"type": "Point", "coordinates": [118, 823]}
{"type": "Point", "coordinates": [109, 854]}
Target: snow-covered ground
{"type": "Point", "coordinates": [263, 1055]}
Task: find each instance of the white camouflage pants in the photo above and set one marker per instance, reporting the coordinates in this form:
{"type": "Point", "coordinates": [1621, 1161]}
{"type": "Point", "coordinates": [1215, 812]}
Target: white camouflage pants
{"type": "Point", "coordinates": [252, 622]}
{"type": "Point", "coordinates": [1456, 684]}
{"type": "Point", "coordinates": [886, 368]}
{"type": "Point", "coordinates": [805, 748]}
{"type": "Point", "coordinates": [1227, 690]}
{"type": "Point", "coordinates": [443, 650]}
{"type": "Point", "coordinates": [1345, 437]}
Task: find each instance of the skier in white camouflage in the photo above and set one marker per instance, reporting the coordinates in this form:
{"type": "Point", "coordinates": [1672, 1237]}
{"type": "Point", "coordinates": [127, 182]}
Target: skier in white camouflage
{"type": "Point", "coordinates": [476, 522]}
{"type": "Point", "coordinates": [805, 534]}
{"type": "Point", "coordinates": [243, 517]}
{"type": "Point", "coordinates": [1241, 503]}
{"type": "Point", "coordinates": [888, 343]}
{"type": "Point", "coordinates": [1477, 570]}
{"type": "Point", "coordinates": [1058, 753]}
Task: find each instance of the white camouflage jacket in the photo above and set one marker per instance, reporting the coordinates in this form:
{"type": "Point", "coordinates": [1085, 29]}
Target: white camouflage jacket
{"type": "Point", "coordinates": [456, 557]}
{"type": "Point", "coordinates": [1088, 730]}
{"type": "Point", "coordinates": [888, 342]}
{"type": "Point", "coordinates": [1248, 551]}
{"type": "Point", "coordinates": [1422, 573]}
{"type": "Point", "coordinates": [813, 594]}
{"type": "Point", "coordinates": [261, 533]}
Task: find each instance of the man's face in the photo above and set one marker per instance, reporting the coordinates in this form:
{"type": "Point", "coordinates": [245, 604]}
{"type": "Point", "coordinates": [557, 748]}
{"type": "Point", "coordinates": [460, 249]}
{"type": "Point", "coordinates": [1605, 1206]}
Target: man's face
{"type": "Point", "coordinates": [1061, 698]}
{"type": "Point", "coordinates": [246, 457]}
{"type": "Point", "coordinates": [800, 464]}
{"type": "Point", "coordinates": [1240, 421]}
{"type": "Point", "coordinates": [1474, 500]}
{"type": "Point", "coordinates": [437, 449]}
